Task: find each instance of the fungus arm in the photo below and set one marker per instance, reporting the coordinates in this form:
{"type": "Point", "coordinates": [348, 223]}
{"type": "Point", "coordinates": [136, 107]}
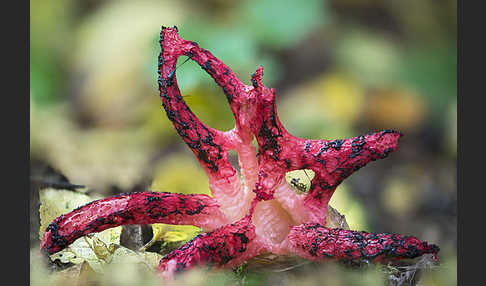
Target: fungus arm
{"type": "Point", "coordinates": [209, 145]}
{"type": "Point", "coordinates": [316, 242]}
{"type": "Point", "coordinates": [332, 161]}
{"type": "Point", "coordinates": [226, 246]}
{"type": "Point", "coordinates": [133, 208]}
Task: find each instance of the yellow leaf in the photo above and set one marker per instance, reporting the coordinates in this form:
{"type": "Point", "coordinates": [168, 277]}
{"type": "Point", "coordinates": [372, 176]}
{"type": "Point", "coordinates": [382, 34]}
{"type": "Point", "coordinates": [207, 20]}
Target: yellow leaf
{"type": "Point", "coordinates": [300, 180]}
{"type": "Point", "coordinates": [171, 234]}
{"type": "Point", "coordinates": [174, 233]}
{"type": "Point", "coordinates": [101, 250]}
{"type": "Point", "coordinates": [57, 202]}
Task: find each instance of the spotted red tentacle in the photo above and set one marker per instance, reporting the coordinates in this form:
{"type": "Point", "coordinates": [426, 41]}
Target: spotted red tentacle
{"type": "Point", "coordinates": [223, 247]}
{"type": "Point", "coordinates": [316, 242]}
{"type": "Point", "coordinates": [209, 145]}
{"type": "Point", "coordinates": [333, 161]}
{"type": "Point", "coordinates": [132, 208]}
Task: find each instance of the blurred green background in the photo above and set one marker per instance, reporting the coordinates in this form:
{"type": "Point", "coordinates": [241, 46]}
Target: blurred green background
{"type": "Point", "coordinates": [341, 68]}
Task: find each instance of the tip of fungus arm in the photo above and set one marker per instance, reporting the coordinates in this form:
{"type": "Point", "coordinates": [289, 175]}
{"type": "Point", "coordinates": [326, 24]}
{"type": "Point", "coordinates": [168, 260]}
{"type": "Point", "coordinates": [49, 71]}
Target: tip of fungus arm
{"type": "Point", "coordinates": [256, 78]}
{"type": "Point", "coordinates": [173, 46]}
{"type": "Point", "coordinates": [348, 155]}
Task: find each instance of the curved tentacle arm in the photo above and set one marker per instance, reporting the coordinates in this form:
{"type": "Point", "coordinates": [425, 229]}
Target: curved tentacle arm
{"type": "Point", "coordinates": [133, 208]}
{"type": "Point", "coordinates": [316, 242]}
{"type": "Point", "coordinates": [226, 246]}
{"type": "Point", "coordinates": [209, 145]}
{"type": "Point", "coordinates": [334, 161]}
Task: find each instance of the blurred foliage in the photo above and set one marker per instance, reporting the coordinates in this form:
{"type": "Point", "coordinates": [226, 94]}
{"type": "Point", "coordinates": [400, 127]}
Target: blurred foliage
{"type": "Point", "coordinates": [98, 157]}
{"type": "Point", "coordinates": [352, 209]}
{"type": "Point", "coordinates": [340, 68]}
{"type": "Point", "coordinates": [172, 174]}
{"type": "Point", "coordinates": [324, 108]}
{"type": "Point", "coordinates": [47, 66]}
{"type": "Point", "coordinates": [272, 21]}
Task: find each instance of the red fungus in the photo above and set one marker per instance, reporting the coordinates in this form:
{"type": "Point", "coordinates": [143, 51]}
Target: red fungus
{"type": "Point", "coordinates": [263, 214]}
